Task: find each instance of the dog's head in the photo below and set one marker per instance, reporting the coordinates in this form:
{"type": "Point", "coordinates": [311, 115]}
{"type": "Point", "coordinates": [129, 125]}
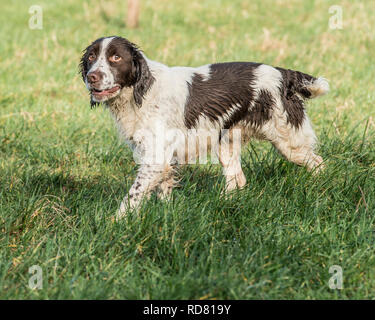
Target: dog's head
{"type": "Point", "coordinates": [112, 63]}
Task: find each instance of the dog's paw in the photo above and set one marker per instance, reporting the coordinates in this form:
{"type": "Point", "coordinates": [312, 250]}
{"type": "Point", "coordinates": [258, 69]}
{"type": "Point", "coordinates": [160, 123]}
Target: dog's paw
{"type": "Point", "coordinates": [317, 165]}
{"type": "Point", "coordinates": [234, 182]}
{"type": "Point", "coordinates": [123, 211]}
{"type": "Point", "coordinates": [120, 214]}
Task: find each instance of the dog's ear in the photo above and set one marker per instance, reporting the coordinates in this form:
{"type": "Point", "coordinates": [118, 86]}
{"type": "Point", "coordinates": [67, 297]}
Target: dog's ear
{"type": "Point", "coordinates": [83, 71]}
{"type": "Point", "coordinates": [144, 78]}
{"type": "Point", "coordinates": [82, 67]}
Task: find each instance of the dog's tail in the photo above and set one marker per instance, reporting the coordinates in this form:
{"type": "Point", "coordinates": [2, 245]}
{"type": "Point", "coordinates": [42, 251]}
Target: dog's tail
{"type": "Point", "coordinates": [305, 85]}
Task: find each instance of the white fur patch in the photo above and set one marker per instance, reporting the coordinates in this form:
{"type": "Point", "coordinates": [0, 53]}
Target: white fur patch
{"type": "Point", "coordinates": [319, 87]}
{"type": "Point", "coordinates": [204, 71]}
{"type": "Point", "coordinates": [267, 78]}
{"type": "Point", "coordinates": [102, 65]}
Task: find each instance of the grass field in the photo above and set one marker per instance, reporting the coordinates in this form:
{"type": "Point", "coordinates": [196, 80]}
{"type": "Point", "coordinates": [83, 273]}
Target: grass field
{"type": "Point", "coordinates": [63, 171]}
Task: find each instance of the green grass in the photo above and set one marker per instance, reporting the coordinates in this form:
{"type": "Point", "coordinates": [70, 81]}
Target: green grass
{"type": "Point", "coordinates": [63, 170]}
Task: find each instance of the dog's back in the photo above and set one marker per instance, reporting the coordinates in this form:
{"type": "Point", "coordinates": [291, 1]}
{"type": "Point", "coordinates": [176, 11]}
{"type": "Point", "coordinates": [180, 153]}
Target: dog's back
{"type": "Point", "coordinates": [249, 92]}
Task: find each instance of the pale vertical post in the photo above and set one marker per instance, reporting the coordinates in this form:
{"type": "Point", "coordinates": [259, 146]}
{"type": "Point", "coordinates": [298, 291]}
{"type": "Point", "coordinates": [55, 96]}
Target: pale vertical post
{"type": "Point", "coordinates": [133, 13]}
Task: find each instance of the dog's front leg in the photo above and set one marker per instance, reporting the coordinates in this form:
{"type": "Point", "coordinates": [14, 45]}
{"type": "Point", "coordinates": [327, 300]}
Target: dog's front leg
{"type": "Point", "coordinates": [148, 177]}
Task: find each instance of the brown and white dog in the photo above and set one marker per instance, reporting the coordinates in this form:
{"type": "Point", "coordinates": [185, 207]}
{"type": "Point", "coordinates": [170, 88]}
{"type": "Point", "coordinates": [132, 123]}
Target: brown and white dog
{"type": "Point", "coordinates": [145, 96]}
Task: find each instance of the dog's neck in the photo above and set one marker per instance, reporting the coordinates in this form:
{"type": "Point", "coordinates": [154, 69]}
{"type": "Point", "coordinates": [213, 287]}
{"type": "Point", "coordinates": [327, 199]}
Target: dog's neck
{"type": "Point", "coordinates": [124, 111]}
{"type": "Point", "coordinates": [123, 101]}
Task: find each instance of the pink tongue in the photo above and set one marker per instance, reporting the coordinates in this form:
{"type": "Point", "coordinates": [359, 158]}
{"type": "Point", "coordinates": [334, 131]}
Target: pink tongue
{"type": "Point", "coordinates": [112, 89]}
{"type": "Point", "coordinates": [108, 91]}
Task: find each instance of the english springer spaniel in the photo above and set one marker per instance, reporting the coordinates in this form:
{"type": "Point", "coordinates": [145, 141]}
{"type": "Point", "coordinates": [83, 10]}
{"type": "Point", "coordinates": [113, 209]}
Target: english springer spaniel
{"type": "Point", "coordinates": [159, 107]}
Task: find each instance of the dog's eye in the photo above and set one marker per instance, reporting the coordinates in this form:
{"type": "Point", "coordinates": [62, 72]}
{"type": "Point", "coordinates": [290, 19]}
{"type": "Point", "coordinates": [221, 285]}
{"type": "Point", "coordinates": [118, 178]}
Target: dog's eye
{"type": "Point", "coordinates": [115, 58]}
{"type": "Point", "coordinates": [92, 57]}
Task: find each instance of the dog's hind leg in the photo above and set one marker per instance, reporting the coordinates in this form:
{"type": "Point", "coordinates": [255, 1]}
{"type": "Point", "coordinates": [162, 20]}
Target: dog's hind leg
{"type": "Point", "coordinates": [289, 129]}
{"type": "Point", "coordinates": [297, 144]}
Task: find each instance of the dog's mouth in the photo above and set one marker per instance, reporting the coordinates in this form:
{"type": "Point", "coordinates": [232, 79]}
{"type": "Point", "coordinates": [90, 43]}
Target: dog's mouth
{"type": "Point", "coordinates": [104, 93]}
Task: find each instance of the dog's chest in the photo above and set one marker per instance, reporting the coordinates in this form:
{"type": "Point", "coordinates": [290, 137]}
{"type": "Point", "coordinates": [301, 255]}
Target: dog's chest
{"type": "Point", "coordinates": [127, 124]}
{"type": "Point", "coordinates": [132, 122]}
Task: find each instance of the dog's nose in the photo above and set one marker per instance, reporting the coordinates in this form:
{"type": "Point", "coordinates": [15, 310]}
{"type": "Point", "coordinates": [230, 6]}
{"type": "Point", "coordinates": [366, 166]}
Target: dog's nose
{"type": "Point", "coordinates": [94, 76]}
